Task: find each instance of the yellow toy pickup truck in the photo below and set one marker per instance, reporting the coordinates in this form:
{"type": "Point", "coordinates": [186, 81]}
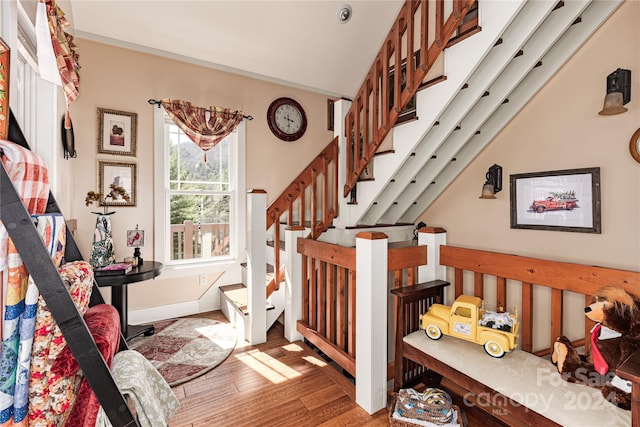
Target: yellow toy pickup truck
{"type": "Point", "coordinates": [467, 319]}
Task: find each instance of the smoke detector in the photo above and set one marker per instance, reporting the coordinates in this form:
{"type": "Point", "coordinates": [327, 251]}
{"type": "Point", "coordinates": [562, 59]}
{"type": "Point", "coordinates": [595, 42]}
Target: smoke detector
{"type": "Point", "coordinates": [344, 14]}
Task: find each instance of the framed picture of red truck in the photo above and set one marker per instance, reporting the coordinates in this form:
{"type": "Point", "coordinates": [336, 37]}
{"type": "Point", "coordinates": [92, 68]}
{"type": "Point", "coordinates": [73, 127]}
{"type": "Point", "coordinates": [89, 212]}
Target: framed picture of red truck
{"type": "Point", "coordinates": [563, 200]}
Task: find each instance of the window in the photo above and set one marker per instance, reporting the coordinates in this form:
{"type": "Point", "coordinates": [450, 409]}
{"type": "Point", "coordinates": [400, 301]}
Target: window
{"type": "Point", "coordinates": [199, 198]}
{"type": "Point", "coordinates": [33, 100]}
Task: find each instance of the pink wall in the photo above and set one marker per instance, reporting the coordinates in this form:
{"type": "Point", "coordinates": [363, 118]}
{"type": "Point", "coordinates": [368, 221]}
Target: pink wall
{"type": "Point", "coordinates": [122, 79]}
{"type": "Point", "coordinates": [559, 129]}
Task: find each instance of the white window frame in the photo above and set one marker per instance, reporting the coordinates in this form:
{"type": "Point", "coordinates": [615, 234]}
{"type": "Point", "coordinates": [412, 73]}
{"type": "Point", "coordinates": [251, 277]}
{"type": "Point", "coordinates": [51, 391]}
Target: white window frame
{"type": "Point", "coordinates": [162, 245]}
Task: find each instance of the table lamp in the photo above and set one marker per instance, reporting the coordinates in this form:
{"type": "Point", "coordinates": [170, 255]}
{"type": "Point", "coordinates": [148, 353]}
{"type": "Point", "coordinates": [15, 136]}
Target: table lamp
{"type": "Point", "coordinates": [135, 239]}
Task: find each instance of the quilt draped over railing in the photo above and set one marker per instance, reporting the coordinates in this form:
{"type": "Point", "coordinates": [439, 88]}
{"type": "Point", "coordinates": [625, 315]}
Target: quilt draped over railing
{"type": "Point", "coordinates": [204, 126]}
{"type": "Point", "coordinates": [30, 177]}
{"type": "Point", "coordinates": [31, 392]}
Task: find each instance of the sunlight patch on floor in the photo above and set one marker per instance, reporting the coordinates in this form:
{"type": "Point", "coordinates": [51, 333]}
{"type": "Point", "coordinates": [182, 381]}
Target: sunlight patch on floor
{"type": "Point", "coordinates": [265, 365]}
{"type": "Point", "coordinates": [213, 334]}
{"type": "Point", "coordinates": [292, 348]}
{"type": "Point", "coordinates": [315, 361]}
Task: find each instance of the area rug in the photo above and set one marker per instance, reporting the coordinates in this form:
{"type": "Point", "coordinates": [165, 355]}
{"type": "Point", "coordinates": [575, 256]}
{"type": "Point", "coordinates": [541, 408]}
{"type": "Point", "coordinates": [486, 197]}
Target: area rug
{"type": "Point", "coordinates": [183, 349]}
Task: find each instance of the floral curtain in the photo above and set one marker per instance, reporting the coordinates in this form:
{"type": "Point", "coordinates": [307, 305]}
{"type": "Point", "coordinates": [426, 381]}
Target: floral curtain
{"type": "Point", "coordinates": [64, 49]}
{"type": "Point", "coordinates": [205, 127]}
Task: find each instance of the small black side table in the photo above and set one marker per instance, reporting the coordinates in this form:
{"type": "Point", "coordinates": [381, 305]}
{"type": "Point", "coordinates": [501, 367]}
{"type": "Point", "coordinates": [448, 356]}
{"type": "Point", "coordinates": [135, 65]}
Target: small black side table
{"type": "Point", "coordinates": [118, 282]}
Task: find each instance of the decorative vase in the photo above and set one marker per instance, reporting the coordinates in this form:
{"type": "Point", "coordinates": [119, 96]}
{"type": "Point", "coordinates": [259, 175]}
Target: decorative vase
{"type": "Point", "coordinates": [102, 250]}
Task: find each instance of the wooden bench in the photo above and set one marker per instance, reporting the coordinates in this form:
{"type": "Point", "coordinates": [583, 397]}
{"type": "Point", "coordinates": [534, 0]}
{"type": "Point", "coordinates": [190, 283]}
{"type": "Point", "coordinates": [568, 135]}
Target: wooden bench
{"type": "Point", "coordinates": [524, 387]}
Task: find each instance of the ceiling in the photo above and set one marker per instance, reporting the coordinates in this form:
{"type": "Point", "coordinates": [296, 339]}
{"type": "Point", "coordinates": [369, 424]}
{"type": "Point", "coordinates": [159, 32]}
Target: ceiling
{"type": "Point", "coordinates": [297, 43]}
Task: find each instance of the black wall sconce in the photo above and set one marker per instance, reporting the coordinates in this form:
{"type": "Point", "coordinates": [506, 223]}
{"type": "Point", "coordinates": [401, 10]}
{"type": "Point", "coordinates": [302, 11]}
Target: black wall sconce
{"type": "Point", "coordinates": [493, 184]}
{"type": "Point", "coordinates": [618, 92]}
{"type": "Point", "coordinates": [418, 227]}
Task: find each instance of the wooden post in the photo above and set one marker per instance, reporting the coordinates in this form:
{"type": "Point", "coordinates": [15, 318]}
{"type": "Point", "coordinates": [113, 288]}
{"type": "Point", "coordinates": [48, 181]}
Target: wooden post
{"type": "Point", "coordinates": [256, 333]}
{"type": "Point", "coordinates": [433, 238]}
{"type": "Point", "coordinates": [293, 283]}
{"type": "Point", "coordinates": [371, 320]}
{"type": "Point", "coordinates": [205, 250]}
{"type": "Point", "coordinates": [189, 240]}
{"type": "Point", "coordinates": [340, 108]}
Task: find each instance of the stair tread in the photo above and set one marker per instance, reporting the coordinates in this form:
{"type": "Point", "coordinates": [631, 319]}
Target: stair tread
{"type": "Point", "coordinates": [399, 224]}
{"type": "Point", "coordinates": [307, 224]}
{"type": "Point", "coordinates": [237, 295]}
{"type": "Point", "coordinates": [383, 152]}
{"type": "Point", "coordinates": [402, 244]}
{"type": "Point", "coordinates": [282, 244]}
{"type": "Point", "coordinates": [269, 270]}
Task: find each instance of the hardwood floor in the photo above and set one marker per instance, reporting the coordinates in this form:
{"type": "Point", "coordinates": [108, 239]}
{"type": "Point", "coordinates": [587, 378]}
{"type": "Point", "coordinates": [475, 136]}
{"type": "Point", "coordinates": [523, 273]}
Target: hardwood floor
{"type": "Point", "coordinates": [277, 383]}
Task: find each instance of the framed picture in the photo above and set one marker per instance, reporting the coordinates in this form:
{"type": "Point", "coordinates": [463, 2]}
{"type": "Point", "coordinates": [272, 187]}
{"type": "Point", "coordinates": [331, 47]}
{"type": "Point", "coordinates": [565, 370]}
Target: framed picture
{"type": "Point", "coordinates": [135, 238]}
{"type": "Point", "coordinates": [117, 132]}
{"type": "Point", "coordinates": [122, 175]}
{"type": "Point", "coordinates": [564, 200]}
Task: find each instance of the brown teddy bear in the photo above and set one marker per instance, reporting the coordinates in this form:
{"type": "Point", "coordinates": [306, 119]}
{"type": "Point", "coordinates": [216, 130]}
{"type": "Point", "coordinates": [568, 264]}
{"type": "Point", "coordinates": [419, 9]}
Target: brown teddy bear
{"type": "Point", "coordinates": [614, 338]}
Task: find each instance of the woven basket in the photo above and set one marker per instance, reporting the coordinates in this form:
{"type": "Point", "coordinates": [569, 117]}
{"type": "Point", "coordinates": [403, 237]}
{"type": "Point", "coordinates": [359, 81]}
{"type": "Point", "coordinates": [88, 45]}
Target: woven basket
{"type": "Point", "coordinates": [394, 422]}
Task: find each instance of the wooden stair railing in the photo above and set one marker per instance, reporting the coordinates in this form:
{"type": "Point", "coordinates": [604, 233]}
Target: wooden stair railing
{"type": "Point", "coordinates": [274, 283]}
{"type": "Point", "coordinates": [373, 112]}
{"type": "Point", "coordinates": [329, 304]}
{"type": "Point", "coordinates": [318, 184]}
{"type": "Point", "coordinates": [321, 175]}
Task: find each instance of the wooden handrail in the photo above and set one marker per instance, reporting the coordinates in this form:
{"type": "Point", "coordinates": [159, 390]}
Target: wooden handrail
{"type": "Point", "coordinates": [319, 165]}
{"type": "Point", "coordinates": [320, 177]}
{"type": "Point", "coordinates": [274, 283]}
{"type": "Point", "coordinates": [365, 131]}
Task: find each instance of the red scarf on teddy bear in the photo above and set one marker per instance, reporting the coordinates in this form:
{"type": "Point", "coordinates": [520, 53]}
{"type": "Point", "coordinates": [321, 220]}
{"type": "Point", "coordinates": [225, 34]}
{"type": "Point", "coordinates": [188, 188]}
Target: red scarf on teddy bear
{"type": "Point", "coordinates": [599, 363]}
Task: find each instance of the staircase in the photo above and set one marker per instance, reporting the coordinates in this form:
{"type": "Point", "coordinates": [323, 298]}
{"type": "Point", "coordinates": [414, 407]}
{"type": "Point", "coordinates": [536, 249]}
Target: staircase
{"type": "Point", "coordinates": [490, 77]}
{"type": "Point", "coordinates": [234, 298]}
{"type": "Point", "coordinates": [495, 62]}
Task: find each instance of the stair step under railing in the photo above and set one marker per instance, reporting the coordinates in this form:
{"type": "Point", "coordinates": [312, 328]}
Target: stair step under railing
{"type": "Point", "coordinates": [269, 270]}
{"type": "Point", "coordinates": [408, 115]}
{"type": "Point", "coordinates": [271, 243]}
{"type": "Point", "coordinates": [237, 295]}
{"type": "Point", "coordinates": [269, 275]}
{"type": "Point", "coordinates": [398, 224]}
{"type": "Point", "coordinates": [307, 225]}
{"type": "Point", "coordinates": [283, 225]}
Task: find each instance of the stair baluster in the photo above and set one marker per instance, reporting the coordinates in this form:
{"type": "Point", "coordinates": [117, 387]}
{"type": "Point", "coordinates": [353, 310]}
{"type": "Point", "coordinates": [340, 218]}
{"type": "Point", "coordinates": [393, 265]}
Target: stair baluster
{"type": "Point", "coordinates": [323, 209]}
{"type": "Point", "coordinates": [363, 132]}
{"type": "Point", "coordinates": [371, 117]}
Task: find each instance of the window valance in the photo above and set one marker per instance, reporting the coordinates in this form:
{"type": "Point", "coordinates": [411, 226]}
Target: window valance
{"type": "Point", "coordinates": [204, 126]}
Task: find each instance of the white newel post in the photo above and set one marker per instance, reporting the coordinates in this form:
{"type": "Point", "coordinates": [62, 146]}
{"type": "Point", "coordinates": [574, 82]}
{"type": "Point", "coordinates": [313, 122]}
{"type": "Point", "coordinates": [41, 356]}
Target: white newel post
{"type": "Point", "coordinates": [293, 283]}
{"type": "Point", "coordinates": [256, 333]}
{"type": "Point", "coordinates": [371, 320]}
{"type": "Point", "coordinates": [433, 238]}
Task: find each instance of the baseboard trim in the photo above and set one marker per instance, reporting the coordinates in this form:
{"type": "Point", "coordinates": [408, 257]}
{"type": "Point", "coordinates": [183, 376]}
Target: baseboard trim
{"type": "Point", "coordinates": [153, 314]}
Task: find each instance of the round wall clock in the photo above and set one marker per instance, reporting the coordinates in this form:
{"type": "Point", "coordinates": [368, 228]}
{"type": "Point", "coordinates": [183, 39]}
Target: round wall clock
{"type": "Point", "coordinates": [634, 146]}
{"type": "Point", "coordinates": [286, 119]}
